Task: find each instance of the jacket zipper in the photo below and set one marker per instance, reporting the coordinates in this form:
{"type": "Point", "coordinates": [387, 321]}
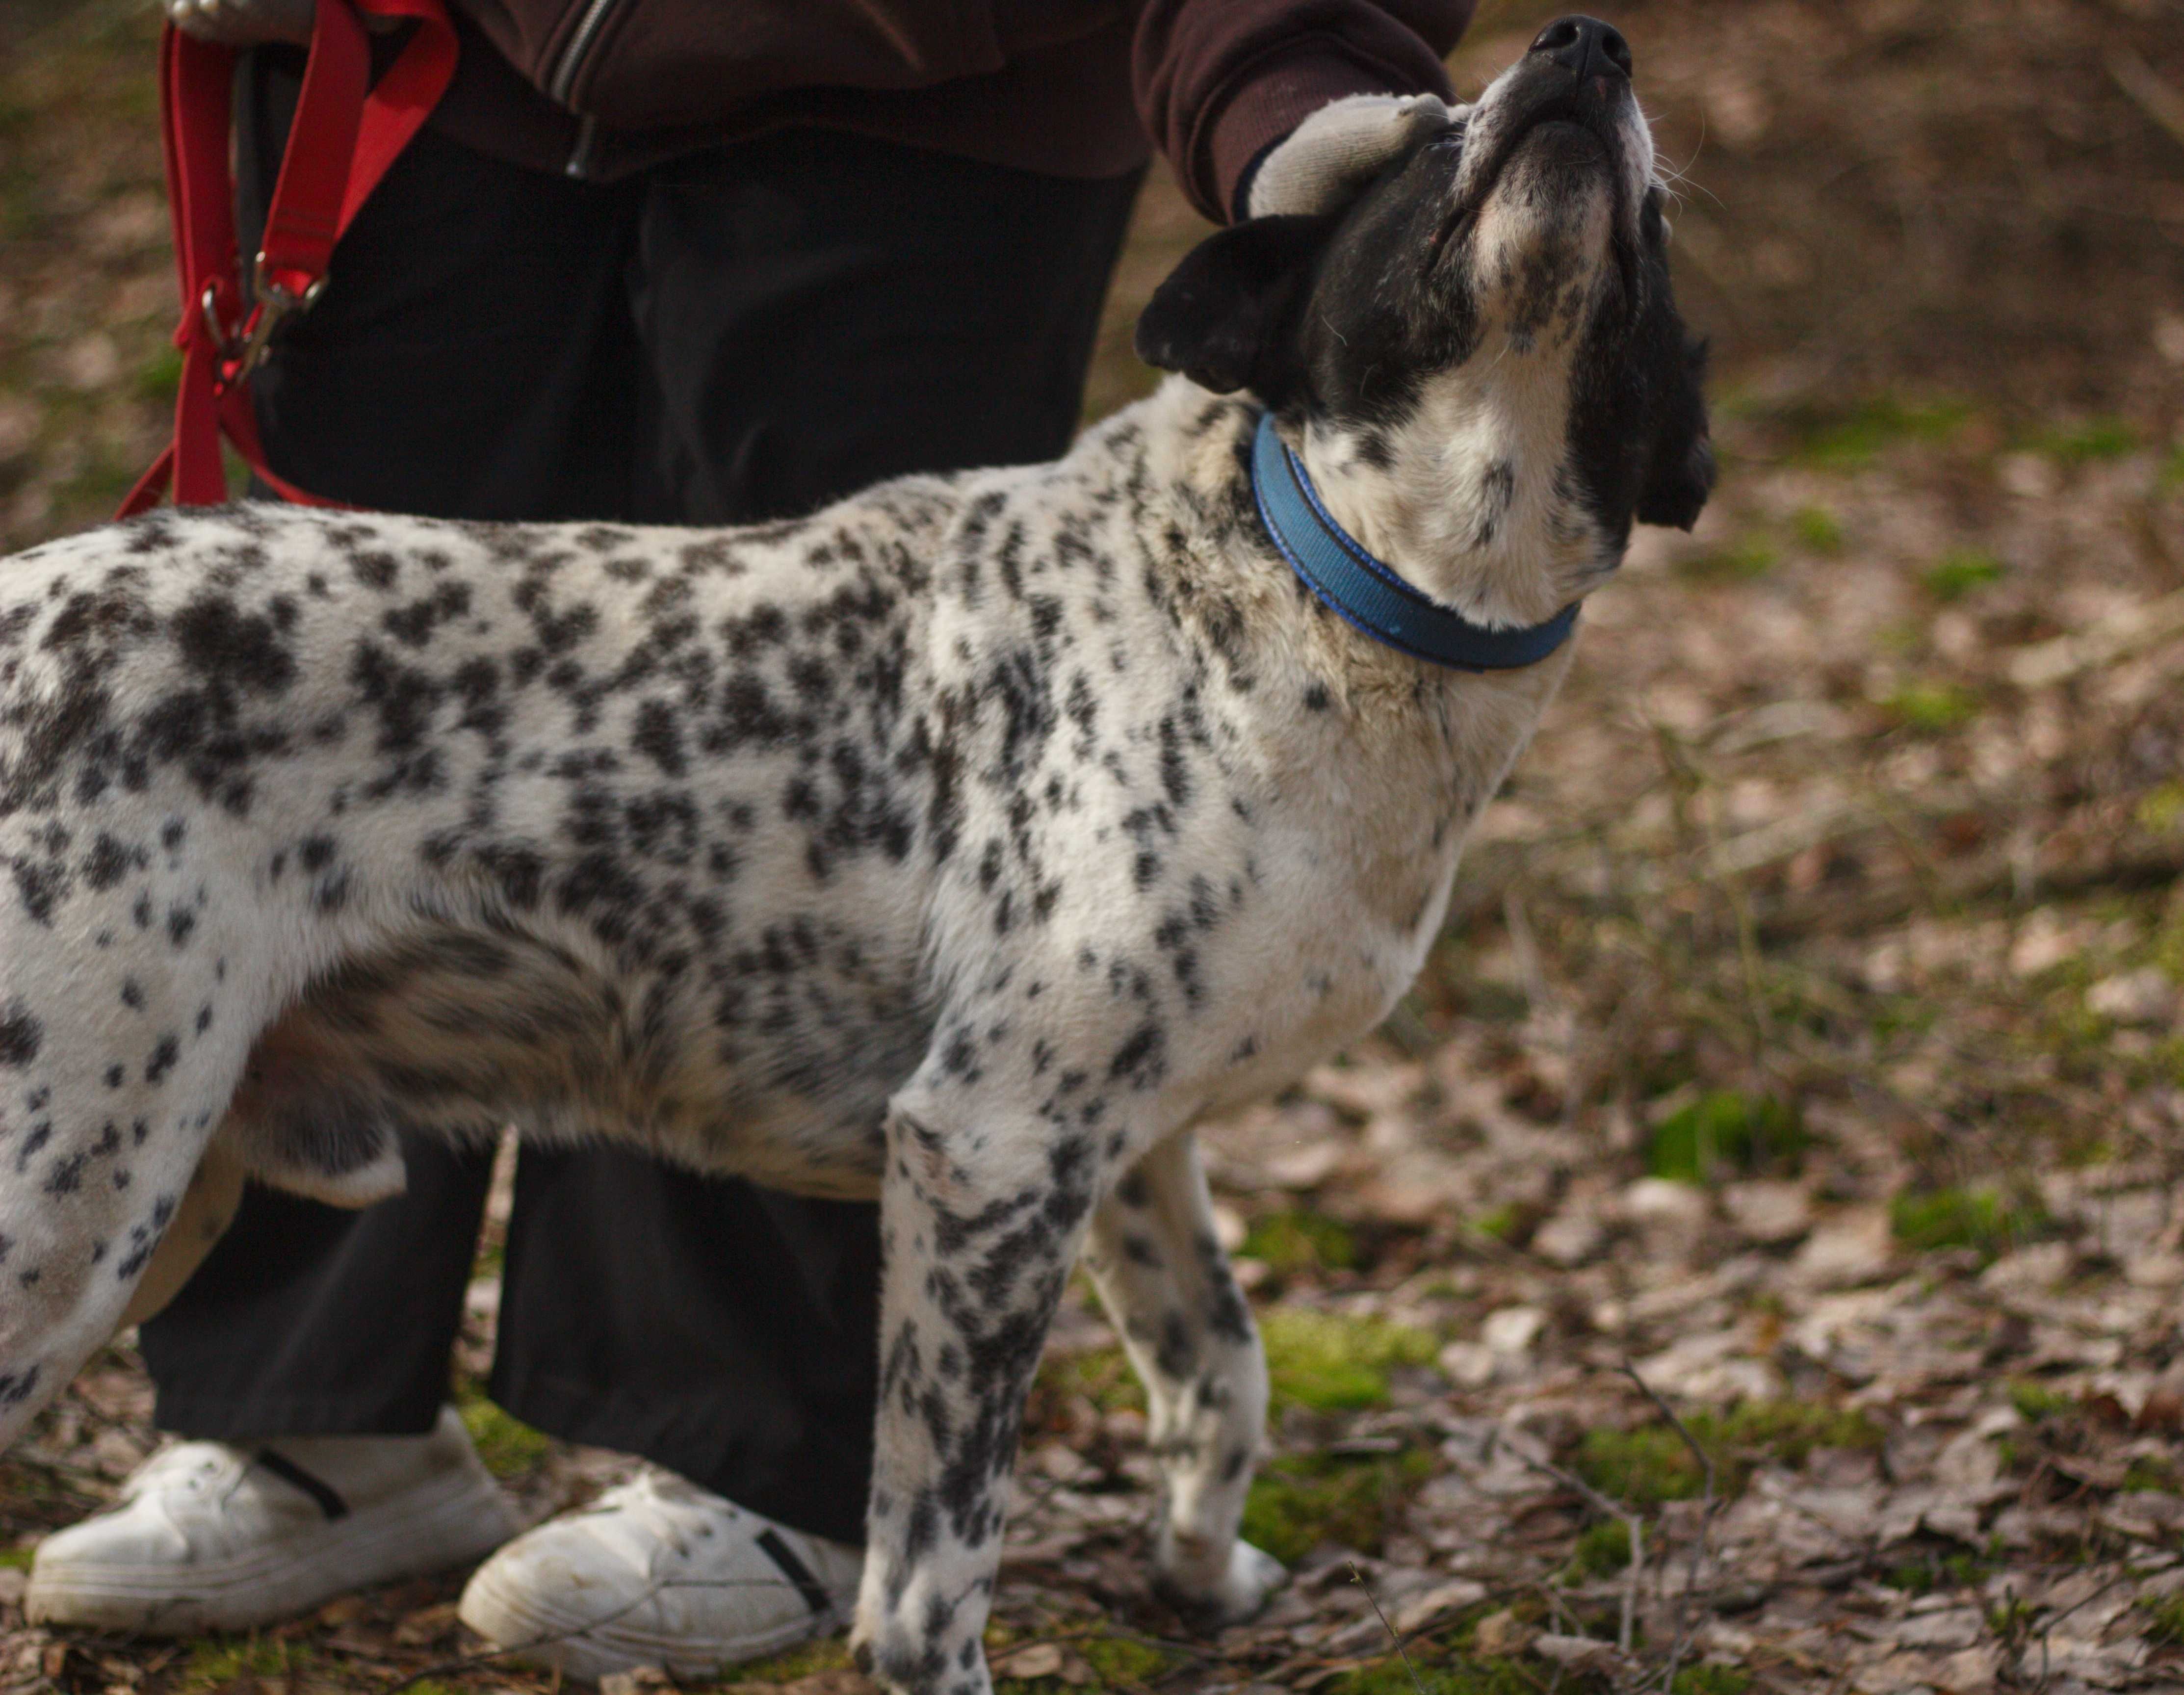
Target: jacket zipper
{"type": "Point", "coordinates": [580, 156]}
{"type": "Point", "coordinates": [580, 44]}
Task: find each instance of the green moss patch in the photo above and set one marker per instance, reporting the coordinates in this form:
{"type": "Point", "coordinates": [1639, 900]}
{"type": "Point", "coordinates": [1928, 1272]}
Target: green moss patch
{"type": "Point", "coordinates": [1819, 529]}
{"type": "Point", "coordinates": [2096, 439]}
{"type": "Point", "coordinates": [1940, 1566]}
{"type": "Point", "coordinates": [1334, 1363]}
{"type": "Point", "coordinates": [1102, 1375]}
{"type": "Point", "coordinates": [829, 1653]}
{"type": "Point", "coordinates": [1742, 560]}
{"type": "Point", "coordinates": [1711, 1680]}
{"type": "Point", "coordinates": [1602, 1550]}
{"type": "Point", "coordinates": [1301, 1244]}
{"type": "Point", "coordinates": [1932, 709]}
{"type": "Point", "coordinates": [217, 1661]}
{"type": "Point", "coordinates": [1726, 1134]}
{"type": "Point", "coordinates": [2035, 1401]}
{"type": "Point", "coordinates": [1645, 1466]}
{"type": "Point", "coordinates": [1957, 574]}
{"type": "Point", "coordinates": [1452, 1675]}
{"type": "Point", "coordinates": [1986, 1220]}
{"type": "Point", "coordinates": [2165, 1624]}
{"type": "Point", "coordinates": [1854, 441]}
{"type": "Point", "coordinates": [2151, 1474]}
{"type": "Point", "coordinates": [508, 1447]}
{"type": "Point", "coordinates": [1299, 1501]}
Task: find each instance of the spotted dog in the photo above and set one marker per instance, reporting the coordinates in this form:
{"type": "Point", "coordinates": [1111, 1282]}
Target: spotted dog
{"type": "Point", "coordinates": [960, 845]}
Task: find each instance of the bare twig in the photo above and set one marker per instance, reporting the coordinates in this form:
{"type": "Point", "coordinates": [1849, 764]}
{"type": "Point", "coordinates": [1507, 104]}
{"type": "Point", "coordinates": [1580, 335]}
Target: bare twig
{"type": "Point", "coordinates": [1636, 1570]}
{"type": "Point", "coordinates": [1682, 1640]}
{"type": "Point", "coordinates": [1357, 1577]}
{"type": "Point", "coordinates": [2149, 91]}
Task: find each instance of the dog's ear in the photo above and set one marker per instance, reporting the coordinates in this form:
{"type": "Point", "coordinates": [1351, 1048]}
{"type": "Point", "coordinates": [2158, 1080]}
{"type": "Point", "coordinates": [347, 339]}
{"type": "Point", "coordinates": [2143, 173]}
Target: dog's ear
{"type": "Point", "coordinates": [1680, 470]}
{"type": "Point", "coordinates": [1218, 316]}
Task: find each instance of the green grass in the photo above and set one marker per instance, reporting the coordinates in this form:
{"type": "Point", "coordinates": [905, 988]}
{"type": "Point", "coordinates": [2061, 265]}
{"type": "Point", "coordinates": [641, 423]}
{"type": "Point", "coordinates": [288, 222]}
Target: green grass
{"type": "Point", "coordinates": [1725, 1133]}
{"type": "Point", "coordinates": [1958, 572]}
{"type": "Point", "coordinates": [2172, 470]}
{"type": "Point", "coordinates": [1333, 1363]}
{"type": "Point", "coordinates": [1645, 1466]}
{"type": "Point", "coordinates": [1982, 1219]}
{"type": "Point", "coordinates": [1932, 709]}
{"type": "Point", "coordinates": [1299, 1501]}
{"type": "Point", "coordinates": [509, 1448]}
{"type": "Point", "coordinates": [1500, 1224]}
{"type": "Point", "coordinates": [1819, 529]}
{"type": "Point", "coordinates": [1294, 1244]}
{"type": "Point", "coordinates": [16, 1559]}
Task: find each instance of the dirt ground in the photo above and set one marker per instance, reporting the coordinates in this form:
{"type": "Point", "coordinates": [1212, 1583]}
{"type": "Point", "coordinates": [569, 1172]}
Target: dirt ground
{"type": "Point", "coordinates": [1752, 1259]}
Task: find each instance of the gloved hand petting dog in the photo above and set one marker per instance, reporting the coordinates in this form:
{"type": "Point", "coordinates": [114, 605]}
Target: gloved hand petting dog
{"type": "Point", "coordinates": [243, 22]}
{"type": "Point", "coordinates": [962, 844]}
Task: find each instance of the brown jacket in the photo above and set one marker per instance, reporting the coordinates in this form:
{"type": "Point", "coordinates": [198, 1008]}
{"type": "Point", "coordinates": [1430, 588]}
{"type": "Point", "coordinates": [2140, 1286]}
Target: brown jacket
{"type": "Point", "coordinates": [1067, 87]}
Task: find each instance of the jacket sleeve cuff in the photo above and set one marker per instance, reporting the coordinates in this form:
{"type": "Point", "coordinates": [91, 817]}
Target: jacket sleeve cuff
{"type": "Point", "coordinates": [1271, 97]}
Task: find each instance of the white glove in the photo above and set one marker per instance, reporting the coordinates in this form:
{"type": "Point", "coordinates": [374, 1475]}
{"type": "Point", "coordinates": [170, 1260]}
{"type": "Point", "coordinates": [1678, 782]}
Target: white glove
{"type": "Point", "coordinates": [1335, 152]}
{"type": "Point", "coordinates": [243, 22]}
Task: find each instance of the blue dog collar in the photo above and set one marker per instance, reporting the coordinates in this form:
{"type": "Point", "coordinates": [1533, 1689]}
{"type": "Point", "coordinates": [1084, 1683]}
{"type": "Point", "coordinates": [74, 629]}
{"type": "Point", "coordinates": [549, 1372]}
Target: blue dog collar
{"type": "Point", "coordinates": [1365, 594]}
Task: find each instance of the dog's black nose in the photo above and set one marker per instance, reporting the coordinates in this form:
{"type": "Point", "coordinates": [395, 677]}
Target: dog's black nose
{"type": "Point", "coordinates": [1586, 45]}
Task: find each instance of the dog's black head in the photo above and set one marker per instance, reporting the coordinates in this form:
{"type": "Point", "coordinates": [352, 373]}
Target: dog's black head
{"type": "Point", "coordinates": [1484, 344]}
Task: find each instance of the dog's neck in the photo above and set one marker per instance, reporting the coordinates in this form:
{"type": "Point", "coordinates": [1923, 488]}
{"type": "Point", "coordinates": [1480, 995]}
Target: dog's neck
{"type": "Point", "coordinates": [1469, 497]}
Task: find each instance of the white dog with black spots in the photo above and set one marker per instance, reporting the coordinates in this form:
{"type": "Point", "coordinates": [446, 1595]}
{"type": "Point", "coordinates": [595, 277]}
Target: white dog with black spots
{"type": "Point", "coordinates": [960, 845]}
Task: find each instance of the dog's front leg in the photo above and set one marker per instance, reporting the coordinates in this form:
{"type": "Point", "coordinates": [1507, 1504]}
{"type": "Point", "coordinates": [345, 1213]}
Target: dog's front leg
{"type": "Point", "coordinates": [982, 1212]}
{"type": "Point", "coordinates": [1167, 1286]}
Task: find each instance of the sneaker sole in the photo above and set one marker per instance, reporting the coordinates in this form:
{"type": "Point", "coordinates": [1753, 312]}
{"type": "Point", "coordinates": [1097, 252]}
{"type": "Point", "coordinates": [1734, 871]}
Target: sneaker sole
{"type": "Point", "coordinates": [525, 1632]}
{"type": "Point", "coordinates": [445, 1523]}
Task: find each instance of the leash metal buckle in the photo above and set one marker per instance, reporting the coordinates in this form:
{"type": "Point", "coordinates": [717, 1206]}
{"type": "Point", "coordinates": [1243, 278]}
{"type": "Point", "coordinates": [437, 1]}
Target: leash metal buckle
{"type": "Point", "coordinates": [275, 302]}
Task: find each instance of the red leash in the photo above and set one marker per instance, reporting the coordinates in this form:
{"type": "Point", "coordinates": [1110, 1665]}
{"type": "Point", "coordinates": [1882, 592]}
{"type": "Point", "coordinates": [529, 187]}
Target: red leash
{"type": "Point", "coordinates": [346, 131]}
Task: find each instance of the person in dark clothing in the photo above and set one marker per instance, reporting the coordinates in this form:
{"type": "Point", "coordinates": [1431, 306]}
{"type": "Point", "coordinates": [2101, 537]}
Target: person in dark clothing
{"type": "Point", "coordinates": [736, 269]}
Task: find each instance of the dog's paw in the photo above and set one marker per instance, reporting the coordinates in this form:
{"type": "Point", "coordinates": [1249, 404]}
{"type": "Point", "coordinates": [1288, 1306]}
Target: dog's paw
{"type": "Point", "coordinates": [1253, 1576]}
{"type": "Point", "coordinates": [1237, 1595]}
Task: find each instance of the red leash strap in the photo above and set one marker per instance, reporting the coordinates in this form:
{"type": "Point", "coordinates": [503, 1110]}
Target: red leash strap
{"type": "Point", "coordinates": [346, 133]}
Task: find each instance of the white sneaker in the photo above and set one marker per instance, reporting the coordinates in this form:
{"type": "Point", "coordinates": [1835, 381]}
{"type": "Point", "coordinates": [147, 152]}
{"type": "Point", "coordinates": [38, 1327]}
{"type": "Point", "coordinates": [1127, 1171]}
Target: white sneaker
{"type": "Point", "coordinates": [659, 1572]}
{"type": "Point", "coordinates": [207, 1536]}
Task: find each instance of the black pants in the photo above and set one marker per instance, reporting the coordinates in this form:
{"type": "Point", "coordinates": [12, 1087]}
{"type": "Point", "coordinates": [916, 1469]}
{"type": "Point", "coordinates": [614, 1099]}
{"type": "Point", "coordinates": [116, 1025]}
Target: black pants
{"type": "Point", "coordinates": [743, 334]}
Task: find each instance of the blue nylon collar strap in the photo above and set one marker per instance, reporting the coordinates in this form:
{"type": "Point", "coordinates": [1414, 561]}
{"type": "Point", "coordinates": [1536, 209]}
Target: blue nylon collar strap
{"type": "Point", "coordinates": [1364, 593]}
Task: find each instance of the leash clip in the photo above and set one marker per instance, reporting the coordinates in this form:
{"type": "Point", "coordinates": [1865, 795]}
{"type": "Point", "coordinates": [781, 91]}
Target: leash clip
{"type": "Point", "coordinates": [275, 302]}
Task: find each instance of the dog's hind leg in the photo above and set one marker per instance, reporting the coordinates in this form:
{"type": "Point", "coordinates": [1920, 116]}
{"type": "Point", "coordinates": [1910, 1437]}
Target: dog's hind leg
{"type": "Point", "coordinates": [102, 1124]}
{"type": "Point", "coordinates": [1166, 1285]}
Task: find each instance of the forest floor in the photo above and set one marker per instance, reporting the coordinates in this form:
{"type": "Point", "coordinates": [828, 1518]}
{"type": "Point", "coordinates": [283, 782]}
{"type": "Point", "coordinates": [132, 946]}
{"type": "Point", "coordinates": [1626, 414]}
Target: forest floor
{"type": "Point", "coordinates": [1752, 1258]}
